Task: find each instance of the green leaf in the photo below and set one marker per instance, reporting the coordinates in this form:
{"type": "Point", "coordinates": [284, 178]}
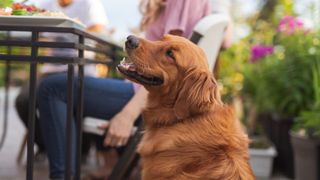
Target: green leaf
{"type": "Point", "coordinates": [19, 12]}
{"type": "Point", "coordinates": [5, 3]}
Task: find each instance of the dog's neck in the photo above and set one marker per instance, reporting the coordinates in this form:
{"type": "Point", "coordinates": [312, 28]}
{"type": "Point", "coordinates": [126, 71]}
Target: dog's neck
{"type": "Point", "coordinates": [159, 111]}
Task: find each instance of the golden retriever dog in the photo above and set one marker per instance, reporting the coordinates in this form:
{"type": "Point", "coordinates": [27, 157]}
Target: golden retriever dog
{"type": "Point", "coordinates": [189, 133]}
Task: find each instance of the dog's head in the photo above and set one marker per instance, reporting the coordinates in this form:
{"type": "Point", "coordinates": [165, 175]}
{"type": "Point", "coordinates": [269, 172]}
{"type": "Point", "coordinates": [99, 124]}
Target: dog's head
{"type": "Point", "coordinates": [175, 69]}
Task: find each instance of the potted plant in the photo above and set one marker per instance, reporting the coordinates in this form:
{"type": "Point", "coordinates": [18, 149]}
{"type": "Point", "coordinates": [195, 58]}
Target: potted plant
{"type": "Point", "coordinates": [262, 153]}
{"type": "Point", "coordinates": [262, 88]}
{"type": "Point", "coordinates": [278, 84]}
{"type": "Point", "coordinates": [275, 85]}
{"type": "Point", "coordinates": [306, 135]}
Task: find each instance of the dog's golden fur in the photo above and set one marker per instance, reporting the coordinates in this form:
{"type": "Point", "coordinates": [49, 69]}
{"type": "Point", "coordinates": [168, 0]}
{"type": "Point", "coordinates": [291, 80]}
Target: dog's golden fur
{"type": "Point", "coordinates": [189, 133]}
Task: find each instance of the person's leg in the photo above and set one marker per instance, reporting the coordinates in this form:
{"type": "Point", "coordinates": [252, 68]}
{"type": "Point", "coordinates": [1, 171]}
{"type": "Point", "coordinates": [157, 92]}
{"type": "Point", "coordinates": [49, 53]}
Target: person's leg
{"type": "Point", "coordinates": [103, 98]}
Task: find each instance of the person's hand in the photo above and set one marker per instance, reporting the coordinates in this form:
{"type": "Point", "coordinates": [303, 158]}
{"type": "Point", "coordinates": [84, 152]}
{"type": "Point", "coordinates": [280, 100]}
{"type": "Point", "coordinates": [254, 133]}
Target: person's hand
{"type": "Point", "coordinates": [119, 129]}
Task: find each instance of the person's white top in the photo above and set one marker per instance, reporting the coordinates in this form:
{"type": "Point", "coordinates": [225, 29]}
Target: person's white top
{"type": "Point", "coordinates": [89, 13]}
{"type": "Point", "coordinates": [221, 7]}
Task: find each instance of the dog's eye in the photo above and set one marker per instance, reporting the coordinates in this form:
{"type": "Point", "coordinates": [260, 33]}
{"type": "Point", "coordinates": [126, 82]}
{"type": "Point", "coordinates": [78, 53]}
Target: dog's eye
{"type": "Point", "coordinates": [169, 53]}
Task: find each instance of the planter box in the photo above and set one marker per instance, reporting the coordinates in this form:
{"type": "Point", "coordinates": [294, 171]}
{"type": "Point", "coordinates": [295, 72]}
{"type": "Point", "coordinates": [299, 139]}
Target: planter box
{"type": "Point", "coordinates": [261, 161]}
{"type": "Point", "coordinates": [306, 157]}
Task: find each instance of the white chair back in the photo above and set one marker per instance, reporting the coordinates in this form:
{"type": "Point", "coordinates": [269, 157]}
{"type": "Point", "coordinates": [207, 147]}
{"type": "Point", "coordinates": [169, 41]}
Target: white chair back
{"type": "Point", "coordinates": [208, 34]}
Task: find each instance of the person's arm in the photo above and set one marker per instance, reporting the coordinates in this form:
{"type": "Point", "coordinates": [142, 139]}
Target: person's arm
{"type": "Point", "coordinates": [227, 39]}
{"type": "Point", "coordinates": [120, 126]}
{"type": "Point", "coordinates": [96, 17]}
{"type": "Point", "coordinates": [95, 28]}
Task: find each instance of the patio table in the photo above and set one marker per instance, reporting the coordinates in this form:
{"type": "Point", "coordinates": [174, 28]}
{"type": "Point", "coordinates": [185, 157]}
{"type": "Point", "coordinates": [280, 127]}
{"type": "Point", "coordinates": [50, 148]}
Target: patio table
{"type": "Point", "coordinates": [34, 26]}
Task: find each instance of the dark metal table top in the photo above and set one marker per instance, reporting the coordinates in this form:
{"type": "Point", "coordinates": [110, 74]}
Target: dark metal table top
{"type": "Point", "coordinates": [102, 46]}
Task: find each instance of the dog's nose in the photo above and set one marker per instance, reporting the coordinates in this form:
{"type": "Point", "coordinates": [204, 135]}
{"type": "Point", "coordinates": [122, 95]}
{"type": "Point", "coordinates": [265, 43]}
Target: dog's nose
{"type": "Point", "coordinates": [132, 42]}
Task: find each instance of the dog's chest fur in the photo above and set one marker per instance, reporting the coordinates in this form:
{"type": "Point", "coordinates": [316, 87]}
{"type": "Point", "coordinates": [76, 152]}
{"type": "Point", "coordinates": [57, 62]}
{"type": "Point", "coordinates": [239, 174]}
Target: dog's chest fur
{"type": "Point", "coordinates": [200, 147]}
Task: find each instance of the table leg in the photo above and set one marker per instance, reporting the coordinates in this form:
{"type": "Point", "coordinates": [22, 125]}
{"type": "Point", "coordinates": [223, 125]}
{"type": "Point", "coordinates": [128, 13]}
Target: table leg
{"type": "Point", "coordinates": [79, 112]}
{"type": "Point", "coordinates": [32, 107]}
{"type": "Point", "coordinates": [68, 155]}
{"type": "Point", "coordinates": [80, 121]}
{"type": "Point", "coordinates": [31, 122]}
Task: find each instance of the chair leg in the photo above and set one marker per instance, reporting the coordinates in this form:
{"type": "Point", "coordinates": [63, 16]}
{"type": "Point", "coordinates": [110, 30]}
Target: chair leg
{"type": "Point", "coordinates": [132, 166]}
{"type": "Point", "coordinates": [138, 175]}
{"type": "Point", "coordinates": [22, 148]}
{"type": "Point", "coordinates": [128, 160]}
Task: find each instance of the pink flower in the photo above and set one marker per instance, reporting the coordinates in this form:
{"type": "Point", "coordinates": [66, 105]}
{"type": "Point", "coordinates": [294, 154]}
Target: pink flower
{"type": "Point", "coordinates": [289, 25]}
{"type": "Point", "coordinates": [260, 51]}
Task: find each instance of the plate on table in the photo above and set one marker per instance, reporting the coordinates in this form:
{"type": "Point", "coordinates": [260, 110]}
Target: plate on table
{"type": "Point", "coordinates": [47, 21]}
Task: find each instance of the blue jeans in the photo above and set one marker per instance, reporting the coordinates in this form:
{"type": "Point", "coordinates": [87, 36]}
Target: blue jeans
{"type": "Point", "coordinates": [103, 98]}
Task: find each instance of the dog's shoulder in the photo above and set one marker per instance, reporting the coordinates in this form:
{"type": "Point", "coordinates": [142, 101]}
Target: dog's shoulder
{"type": "Point", "coordinates": [155, 140]}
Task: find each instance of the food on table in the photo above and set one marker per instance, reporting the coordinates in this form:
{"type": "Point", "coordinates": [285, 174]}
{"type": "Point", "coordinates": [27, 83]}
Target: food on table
{"type": "Point", "coordinates": [22, 9]}
{"type": "Point", "coordinates": [52, 14]}
{"type": "Point", "coordinates": [7, 8]}
{"type": "Point", "coordinates": [5, 11]}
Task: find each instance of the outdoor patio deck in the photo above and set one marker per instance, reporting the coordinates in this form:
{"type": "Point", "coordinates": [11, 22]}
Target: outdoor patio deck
{"type": "Point", "coordinates": [9, 169]}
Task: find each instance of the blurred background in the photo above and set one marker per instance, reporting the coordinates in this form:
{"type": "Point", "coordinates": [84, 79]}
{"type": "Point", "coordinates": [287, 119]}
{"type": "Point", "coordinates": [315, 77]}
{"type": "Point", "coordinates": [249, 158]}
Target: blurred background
{"type": "Point", "coordinates": [270, 75]}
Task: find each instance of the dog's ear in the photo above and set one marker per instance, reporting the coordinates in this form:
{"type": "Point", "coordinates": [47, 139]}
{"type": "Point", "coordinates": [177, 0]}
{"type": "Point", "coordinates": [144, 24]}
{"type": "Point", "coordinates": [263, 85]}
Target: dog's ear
{"type": "Point", "coordinates": [198, 94]}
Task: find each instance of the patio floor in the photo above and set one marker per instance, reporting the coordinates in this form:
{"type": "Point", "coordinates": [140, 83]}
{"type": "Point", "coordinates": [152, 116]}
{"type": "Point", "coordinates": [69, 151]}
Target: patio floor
{"type": "Point", "coordinates": [10, 169]}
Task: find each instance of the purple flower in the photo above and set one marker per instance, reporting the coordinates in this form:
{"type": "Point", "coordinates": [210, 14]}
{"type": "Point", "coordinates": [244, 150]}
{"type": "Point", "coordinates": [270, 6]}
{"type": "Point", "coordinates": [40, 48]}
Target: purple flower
{"type": "Point", "coordinates": [289, 24]}
{"type": "Point", "coordinates": [260, 51]}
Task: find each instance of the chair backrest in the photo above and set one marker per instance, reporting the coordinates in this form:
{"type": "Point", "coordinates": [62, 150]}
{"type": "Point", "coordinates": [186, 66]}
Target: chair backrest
{"type": "Point", "coordinates": [208, 34]}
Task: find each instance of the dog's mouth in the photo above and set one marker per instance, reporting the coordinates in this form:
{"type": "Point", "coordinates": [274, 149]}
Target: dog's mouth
{"type": "Point", "coordinates": [130, 70]}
